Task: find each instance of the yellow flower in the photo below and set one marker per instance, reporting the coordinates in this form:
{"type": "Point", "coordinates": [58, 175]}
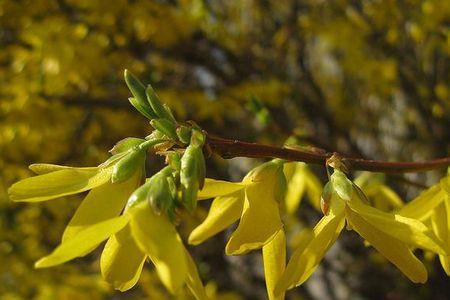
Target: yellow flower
{"type": "Point", "coordinates": [433, 206]}
{"type": "Point", "coordinates": [255, 202]}
{"type": "Point", "coordinates": [391, 234]}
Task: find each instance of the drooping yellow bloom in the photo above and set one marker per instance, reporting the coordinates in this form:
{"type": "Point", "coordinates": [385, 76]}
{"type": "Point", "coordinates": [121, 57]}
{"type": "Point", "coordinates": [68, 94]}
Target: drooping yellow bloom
{"type": "Point", "coordinates": [255, 202]}
{"type": "Point", "coordinates": [391, 234]}
{"type": "Point", "coordinates": [433, 205]}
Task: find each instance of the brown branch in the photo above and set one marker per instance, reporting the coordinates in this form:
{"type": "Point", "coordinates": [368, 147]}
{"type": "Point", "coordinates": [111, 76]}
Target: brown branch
{"type": "Point", "coordinates": [234, 148]}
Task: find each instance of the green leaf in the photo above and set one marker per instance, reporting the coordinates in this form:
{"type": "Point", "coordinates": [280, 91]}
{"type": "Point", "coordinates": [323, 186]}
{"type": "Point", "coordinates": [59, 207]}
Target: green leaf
{"type": "Point", "coordinates": [140, 99]}
{"type": "Point", "coordinates": [157, 106]}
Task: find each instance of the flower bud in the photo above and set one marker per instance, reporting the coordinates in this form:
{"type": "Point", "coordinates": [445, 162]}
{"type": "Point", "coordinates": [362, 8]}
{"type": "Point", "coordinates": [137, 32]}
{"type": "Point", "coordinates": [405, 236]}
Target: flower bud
{"type": "Point", "coordinates": [126, 166]}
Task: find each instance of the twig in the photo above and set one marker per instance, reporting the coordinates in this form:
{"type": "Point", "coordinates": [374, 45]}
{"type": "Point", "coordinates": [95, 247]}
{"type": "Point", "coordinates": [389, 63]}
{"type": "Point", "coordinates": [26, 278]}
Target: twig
{"type": "Point", "coordinates": [233, 148]}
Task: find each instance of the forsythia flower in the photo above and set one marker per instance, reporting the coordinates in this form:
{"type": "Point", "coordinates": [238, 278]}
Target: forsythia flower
{"type": "Point", "coordinates": [255, 202]}
{"type": "Point", "coordinates": [391, 234]}
{"type": "Point", "coordinates": [139, 233]}
{"type": "Point", "coordinates": [433, 205]}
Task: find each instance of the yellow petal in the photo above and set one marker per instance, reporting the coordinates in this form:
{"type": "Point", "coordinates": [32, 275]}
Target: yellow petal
{"type": "Point", "coordinates": [295, 189]}
{"type": "Point", "coordinates": [224, 211]}
{"type": "Point", "coordinates": [57, 184]}
{"type": "Point", "coordinates": [394, 250]}
{"type": "Point", "coordinates": [260, 220]}
{"type": "Point", "coordinates": [157, 238]}
{"type": "Point", "coordinates": [216, 188]}
{"type": "Point", "coordinates": [439, 222]}
{"type": "Point", "coordinates": [48, 168]}
{"type": "Point", "coordinates": [274, 258]}
{"type": "Point", "coordinates": [313, 189]}
{"type": "Point", "coordinates": [421, 207]}
{"type": "Point", "coordinates": [122, 261]}
{"type": "Point", "coordinates": [193, 281]}
{"type": "Point", "coordinates": [410, 231]}
{"type": "Point", "coordinates": [83, 242]}
{"type": "Point", "coordinates": [102, 203]}
{"type": "Point", "coordinates": [387, 198]}
{"type": "Point", "coordinates": [311, 251]}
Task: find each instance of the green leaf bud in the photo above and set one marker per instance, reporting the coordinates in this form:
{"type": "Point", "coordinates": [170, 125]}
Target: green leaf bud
{"type": "Point", "coordinates": [166, 127]}
{"type": "Point", "coordinates": [140, 108]}
{"type": "Point", "coordinates": [138, 90]}
{"type": "Point", "coordinates": [184, 134]}
{"type": "Point", "coordinates": [160, 110]}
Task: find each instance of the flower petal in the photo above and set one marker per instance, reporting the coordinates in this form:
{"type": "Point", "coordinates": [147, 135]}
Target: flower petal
{"type": "Point", "coordinates": [274, 258]}
{"type": "Point", "coordinates": [216, 188]}
{"type": "Point", "coordinates": [57, 184]}
{"type": "Point", "coordinates": [41, 169]}
{"type": "Point", "coordinates": [311, 251]}
{"type": "Point", "coordinates": [295, 189]}
{"type": "Point", "coordinates": [122, 261]}
{"type": "Point", "coordinates": [410, 231]}
{"type": "Point", "coordinates": [421, 207]}
{"type": "Point", "coordinates": [260, 220]}
{"type": "Point", "coordinates": [83, 242]}
{"type": "Point", "coordinates": [101, 203]}
{"type": "Point", "coordinates": [439, 222]}
{"type": "Point", "coordinates": [223, 212]}
{"type": "Point", "coordinates": [394, 250]}
{"type": "Point", "coordinates": [157, 237]}
{"type": "Point", "coordinates": [193, 281]}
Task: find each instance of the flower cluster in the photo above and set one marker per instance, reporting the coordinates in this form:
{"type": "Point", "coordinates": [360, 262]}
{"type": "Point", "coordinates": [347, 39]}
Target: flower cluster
{"type": "Point", "coordinates": [136, 216]}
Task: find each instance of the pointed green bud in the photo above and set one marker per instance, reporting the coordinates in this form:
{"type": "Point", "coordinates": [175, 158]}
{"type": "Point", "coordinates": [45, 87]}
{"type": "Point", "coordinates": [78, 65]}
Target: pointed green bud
{"type": "Point", "coordinates": [201, 168]}
{"type": "Point", "coordinates": [174, 161]}
{"type": "Point", "coordinates": [126, 167]}
{"type": "Point", "coordinates": [139, 195]}
{"type": "Point", "coordinates": [189, 177]}
{"type": "Point", "coordinates": [184, 134]}
{"type": "Point", "coordinates": [166, 127]}
{"type": "Point", "coordinates": [160, 110]}
{"type": "Point", "coordinates": [159, 196]}
{"type": "Point", "coordinates": [126, 144]}
{"type": "Point", "coordinates": [140, 99]}
{"type": "Point", "coordinates": [325, 198]}
{"type": "Point", "coordinates": [342, 185]}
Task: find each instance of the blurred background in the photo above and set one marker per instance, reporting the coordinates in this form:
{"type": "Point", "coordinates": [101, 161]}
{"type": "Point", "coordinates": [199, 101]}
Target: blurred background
{"type": "Point", "coordinates": [365, 78]}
